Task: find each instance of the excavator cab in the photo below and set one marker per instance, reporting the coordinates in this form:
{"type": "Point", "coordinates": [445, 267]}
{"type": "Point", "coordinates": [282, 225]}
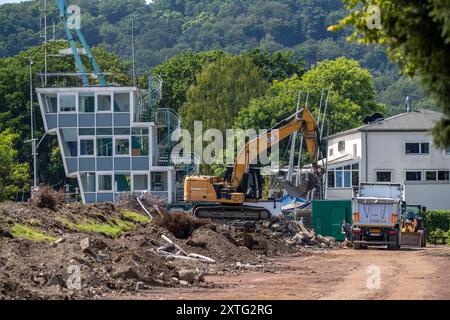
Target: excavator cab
{"type": "Point", "coordinates": [251, 185]}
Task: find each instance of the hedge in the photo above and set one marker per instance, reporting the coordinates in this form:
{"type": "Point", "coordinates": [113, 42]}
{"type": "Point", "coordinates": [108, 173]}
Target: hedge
{"type": "Point", "coordinates": [437, 219]}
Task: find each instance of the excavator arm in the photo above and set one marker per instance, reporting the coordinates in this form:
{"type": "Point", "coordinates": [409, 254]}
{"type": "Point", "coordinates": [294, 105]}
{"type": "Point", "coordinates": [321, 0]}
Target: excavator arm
{"type": "Point", "coordinates": [275, 135]}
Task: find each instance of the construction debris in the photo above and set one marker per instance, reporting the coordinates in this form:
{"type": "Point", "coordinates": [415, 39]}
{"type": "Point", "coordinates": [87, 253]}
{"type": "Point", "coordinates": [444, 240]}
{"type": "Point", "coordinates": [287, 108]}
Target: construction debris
{"type": "Point", "coordinates": [168, 251]}
{"type": "Point", "coordinates": [117, 251]}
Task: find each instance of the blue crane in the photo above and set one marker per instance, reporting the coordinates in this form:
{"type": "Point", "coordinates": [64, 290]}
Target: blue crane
{"type": "Point", "coordinates": [66, 18]}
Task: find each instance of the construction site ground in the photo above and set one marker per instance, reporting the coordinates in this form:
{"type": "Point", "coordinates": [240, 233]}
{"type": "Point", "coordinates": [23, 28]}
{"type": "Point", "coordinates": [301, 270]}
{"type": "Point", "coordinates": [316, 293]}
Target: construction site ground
{"type": "Point", "coordinates": [410, 273]}
{"type": "Point", "coordinates": [116, 252]}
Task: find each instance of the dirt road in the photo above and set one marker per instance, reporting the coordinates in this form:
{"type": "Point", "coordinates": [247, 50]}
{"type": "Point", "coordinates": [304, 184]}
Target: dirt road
{"type": "Point", "coordinates": [338, 274]}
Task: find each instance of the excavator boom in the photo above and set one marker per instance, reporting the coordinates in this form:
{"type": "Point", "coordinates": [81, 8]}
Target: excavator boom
{"type": "Point", "coordinates": [218, 199]}
{"type": "Point", "coordinates": [273, 136]}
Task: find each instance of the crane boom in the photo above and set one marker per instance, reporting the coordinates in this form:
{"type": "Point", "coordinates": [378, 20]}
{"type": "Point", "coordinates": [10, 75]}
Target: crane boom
{"type": "Point", "coordinates": [66, 18]}
{"type": "Point", "coordinates": [275, 135]}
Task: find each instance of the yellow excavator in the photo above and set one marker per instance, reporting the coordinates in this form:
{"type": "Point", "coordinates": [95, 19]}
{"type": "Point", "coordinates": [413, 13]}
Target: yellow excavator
{"type": "Point", "coordinates": [216, 198]}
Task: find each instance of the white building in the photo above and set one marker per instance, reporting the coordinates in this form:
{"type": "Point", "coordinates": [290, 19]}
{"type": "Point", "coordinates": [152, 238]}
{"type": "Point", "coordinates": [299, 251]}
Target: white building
{"type": "Point", "coordinates": [398, 149]}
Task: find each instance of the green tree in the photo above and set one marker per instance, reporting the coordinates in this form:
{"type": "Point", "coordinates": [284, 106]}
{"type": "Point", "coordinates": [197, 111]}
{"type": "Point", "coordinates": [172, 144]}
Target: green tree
{"type": "Point", "coordinates": [277, 65]}
{"type": "Point", "coordinates": [221, 90]}
{"type": "Point", "coordinates": [178, 74]}
{"type": "Point", "coordinates": [417, 37]}
{"type": "Point", "coordinates": [352, 97]}
{"type": "Point", "coordinates": [13, 176]}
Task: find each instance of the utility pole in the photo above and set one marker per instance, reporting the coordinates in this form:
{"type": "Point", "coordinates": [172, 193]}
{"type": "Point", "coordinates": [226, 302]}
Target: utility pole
{"type": "Point", "coordinates": [133, 51]}
{"type": "Point", "coordinates": [33, 140]}
{"type": "Point", "coordinates": [45, 36]}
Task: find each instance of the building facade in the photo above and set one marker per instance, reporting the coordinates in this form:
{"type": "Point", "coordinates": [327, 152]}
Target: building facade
{"type": "Point", "coordinates": [399, 149]}
{"type": "Point", "coordinates": [111, 141]}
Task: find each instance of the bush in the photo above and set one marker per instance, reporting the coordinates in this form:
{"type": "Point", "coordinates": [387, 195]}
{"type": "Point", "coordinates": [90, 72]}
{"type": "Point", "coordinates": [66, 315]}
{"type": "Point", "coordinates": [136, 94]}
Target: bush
{"type": "Point", "coordinates": [180, 224]}
{"type": "Point", "coordinates": [437, 219]}
{"type": "Point", "coordinates": [46, 197]}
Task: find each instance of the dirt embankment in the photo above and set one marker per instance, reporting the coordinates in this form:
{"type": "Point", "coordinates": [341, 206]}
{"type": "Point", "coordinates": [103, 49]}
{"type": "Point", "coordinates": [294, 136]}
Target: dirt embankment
{"type": "Point", "coordinates": [92, 251]}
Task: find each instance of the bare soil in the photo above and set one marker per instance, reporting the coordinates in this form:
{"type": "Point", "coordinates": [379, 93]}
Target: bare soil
{"type": "Point", "coordinates": [129, 266]}
{"type": "Point", "coordinates": [410, 273]}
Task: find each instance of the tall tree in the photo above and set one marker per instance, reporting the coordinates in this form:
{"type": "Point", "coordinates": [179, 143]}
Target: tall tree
{"type": "Point", "coordinates": [221, 90]}
{"type": "Point", "coordinates": [352, 97]}
{"type": "Point", "coordinates": [14, 176]}
{"type": "Point", "coordinates": [277, 65]}
{"type": "Point", "coordinates": [416, 34]}
{"type": "Point", "coordinates": [178, 74]}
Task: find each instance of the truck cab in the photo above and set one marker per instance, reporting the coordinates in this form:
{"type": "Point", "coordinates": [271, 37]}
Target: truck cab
{"type": "Point", "coordinates": [377, 214]}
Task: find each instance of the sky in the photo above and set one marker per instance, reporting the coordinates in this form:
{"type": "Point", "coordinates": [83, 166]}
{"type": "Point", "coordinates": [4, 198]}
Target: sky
{"type": "Point", "coordinates": [12, 1]}
{"type": "Point", "coordinates": [9, 1]}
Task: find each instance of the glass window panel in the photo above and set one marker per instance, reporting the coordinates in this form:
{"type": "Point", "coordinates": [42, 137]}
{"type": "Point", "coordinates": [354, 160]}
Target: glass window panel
{"type": "Point", "coordinates": [159, 181]}
{"type": "Point", "coordinates": [51, 103]}
{"type": "Point", "coordinates": [425, 148]}
{"type": "Point", "coordinates": [339, 178]}
{"type": "Point", "coordinates": [104, 131]}
{"type": "Point", "coordinates": [69, 140]}
{"type": "Point", "coordinates": [447, 151]}
{"type": "Point", "coordinates": [105, 183]}
{"type": "Point", "coordinates": [355, 166]}
{"type": "Point", "coordinates": [355, 178]}
{"type": "Point", "coordinates": [122, 147]}
{"type": "Point", "coordinates": [384, 176]}
{"type": "Point", "coordinates": [104, 102]}
{"type": "Point", "coordinates": [430, 175]}
{"type": "Point", "coordinates": [141, 182]}
{"type": "Point", "coordinates": [122, 183]}
{"type": "Point", "coordinates": [87, 147]}
{"type": "Point", "coordinates": [121, 102]}
{"type": "Point", "coordinates": [140, 146]}
{"type": "Point", "coordinates": [330, 179]}
{"type": "Point", "coordinates": [104, 147]}
{"type": "Point", "coordinates": [67, 103]}
{"type": "Point", "coordinates": [347, 168]}
{"type": "Point", "coordinates": [86, 102]}
{"type": "Point", "coordinates": [412, 148]}
{"type": "Point", "coordinates": [443, 175]}
{"type": "Point", "coordinates": [413, 176]}
{"type": "Point", "coordinates": [87, 132]}
{"type": "Point", "coordinates": [122, 131]}
{"type": "Point", "coordinates": [88, 182]}
{"type": "Point", "coordinates": [347, 179]}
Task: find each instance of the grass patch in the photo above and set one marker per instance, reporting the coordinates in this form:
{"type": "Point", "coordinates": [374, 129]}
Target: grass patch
{"type": "Point", "coordinates": [24, 232]}
{"type": "Point", "coordinates": [123, 225]}
{"type": "Point", "coordinates": [103, 228]}
{"type": "Point", "coordinates": [137, 217]}
{"type": "Point", "coordinates": [114, 228]}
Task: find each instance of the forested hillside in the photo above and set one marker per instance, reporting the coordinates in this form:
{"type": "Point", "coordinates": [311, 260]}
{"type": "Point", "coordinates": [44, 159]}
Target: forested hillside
{"type": "Point", "coordinates": [165, 28]}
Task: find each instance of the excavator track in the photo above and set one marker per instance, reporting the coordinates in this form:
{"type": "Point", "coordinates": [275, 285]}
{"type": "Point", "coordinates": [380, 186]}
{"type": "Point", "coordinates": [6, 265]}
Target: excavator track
{"type": "Point", "coordinates": [231, 212]}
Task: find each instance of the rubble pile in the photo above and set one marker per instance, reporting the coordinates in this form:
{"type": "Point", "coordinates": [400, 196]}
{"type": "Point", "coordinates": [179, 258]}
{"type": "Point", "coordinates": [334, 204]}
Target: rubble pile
{"type": "Point", "coordinates": [113, 251]}
{"type": "Point", "coordinates": [295, 234]}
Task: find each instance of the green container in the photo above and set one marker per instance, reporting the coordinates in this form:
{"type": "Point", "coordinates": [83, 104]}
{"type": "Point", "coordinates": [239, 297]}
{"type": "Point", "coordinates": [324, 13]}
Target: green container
{"type": "Point", "coordinates": [328, 216]}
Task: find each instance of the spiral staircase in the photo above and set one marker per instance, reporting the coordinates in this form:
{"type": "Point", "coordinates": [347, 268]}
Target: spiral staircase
{"type": "Point", "coordinates": [167, 122]}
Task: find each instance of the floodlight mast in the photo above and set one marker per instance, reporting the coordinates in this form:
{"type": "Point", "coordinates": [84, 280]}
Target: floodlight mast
{"type": "Point", "coordinates": [69, 17]}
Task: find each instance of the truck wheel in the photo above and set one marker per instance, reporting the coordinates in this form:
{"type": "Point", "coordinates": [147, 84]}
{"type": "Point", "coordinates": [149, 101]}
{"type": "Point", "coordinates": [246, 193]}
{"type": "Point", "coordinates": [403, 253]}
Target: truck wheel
{"type": "Point", "coordinates": [423, 238]}
{"type": "Point", "coordinates": [396, 246]}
